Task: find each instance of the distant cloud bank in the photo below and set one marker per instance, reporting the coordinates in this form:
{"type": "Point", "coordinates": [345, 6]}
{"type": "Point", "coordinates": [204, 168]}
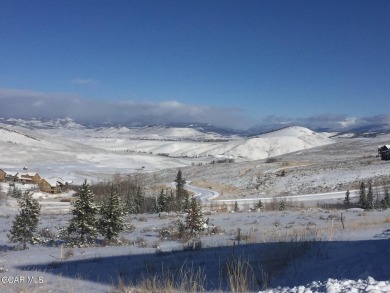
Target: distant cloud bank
{"type": "Point", "coordinates": [335, 122]}
{"type": "Point", "coordinates": [30, 104]}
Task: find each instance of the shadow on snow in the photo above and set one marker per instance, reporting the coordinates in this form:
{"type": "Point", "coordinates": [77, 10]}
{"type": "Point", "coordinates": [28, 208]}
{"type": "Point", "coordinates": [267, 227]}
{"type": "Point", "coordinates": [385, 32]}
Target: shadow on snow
{"type": "Point", "coordinates": [284, 263]}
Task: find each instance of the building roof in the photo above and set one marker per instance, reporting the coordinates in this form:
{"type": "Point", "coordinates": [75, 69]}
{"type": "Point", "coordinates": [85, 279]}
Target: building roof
{"type": "Point", "coordinates": [30, 174]}
{"type": "Point", "coordinates": [13, 174]}
{"type": "Point", "coordinates": [54, 181]}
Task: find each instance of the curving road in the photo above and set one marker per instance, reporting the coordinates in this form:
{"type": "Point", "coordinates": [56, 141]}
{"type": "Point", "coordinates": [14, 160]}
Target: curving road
{"type": "Point", "coordinates": [207, 196]}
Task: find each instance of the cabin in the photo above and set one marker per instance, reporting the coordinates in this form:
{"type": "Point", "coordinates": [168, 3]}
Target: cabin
{"type": "Point", "coordinates": [11, 176]}
{"type": "Point", "coordinates": [23, 180]}
{"type": "Point", "coordinates": [2, 175]}
{"type": "Point", "coordinates": [384, 152]}
{"type": "Point", "coordinates": [50, 185]}
{"type": "Point", "coordinates": [53, 185]}
{"type": "Point", "coordinates": [32, 178]}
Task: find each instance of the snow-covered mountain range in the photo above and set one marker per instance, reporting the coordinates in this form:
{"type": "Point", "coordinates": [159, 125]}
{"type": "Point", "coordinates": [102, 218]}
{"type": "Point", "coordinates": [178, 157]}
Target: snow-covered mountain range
{"type": "Point", "coordinates": [66, 145]}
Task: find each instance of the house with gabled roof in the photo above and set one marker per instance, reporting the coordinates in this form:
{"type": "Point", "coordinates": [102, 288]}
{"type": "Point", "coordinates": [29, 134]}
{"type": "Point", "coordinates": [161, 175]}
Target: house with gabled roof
{"type": "Point", "coordinates": [52, 185]}
{"type": "Point", "coordinates": [30, 177]}
{"type": "Point", "coordinates": [11, 176]}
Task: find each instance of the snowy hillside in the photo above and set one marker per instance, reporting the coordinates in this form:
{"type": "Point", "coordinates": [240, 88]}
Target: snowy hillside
{"type": "Point", "coordinates": [69, 146]}
{"type": "Point", "coordinates": [57, 155]}
{"type": "Point", "coordinates": [267, 145]}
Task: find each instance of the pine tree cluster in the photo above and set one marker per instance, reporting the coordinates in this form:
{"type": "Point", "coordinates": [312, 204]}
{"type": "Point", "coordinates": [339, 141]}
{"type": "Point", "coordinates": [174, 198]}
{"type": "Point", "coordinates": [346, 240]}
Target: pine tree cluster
{"type": "Point", "coordinates": [89, 220]}
{"type": "Point", "coordinates": [194, 221]}
{"type": "Point", "coordinates": [25, 225]}
{"type": "Point", "coordinates": [168, 201]}
{"type": "Point", "coordinates": [368, 200]}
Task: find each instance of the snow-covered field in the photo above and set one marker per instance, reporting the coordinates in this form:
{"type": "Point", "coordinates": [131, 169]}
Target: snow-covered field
{"type": "Point", "coordinates": [303, 249]}
{"type": "Point", "coordinates": [297, 248]}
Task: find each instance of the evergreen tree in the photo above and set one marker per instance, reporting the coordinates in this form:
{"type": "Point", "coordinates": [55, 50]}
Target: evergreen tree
{"type": "Point", "coordinates": [139, 200]}
{"type": "Point", "coordinates": [370, 197]}
{"type": "Point", "coordinates": [130, 203]}
{"type": "Point", "coordinates": [236, 209]}
{"type": "Point", "coordinates": [385, 203]}
{"type": "Point", "coordinates": [377, 202]}
{"type": "Point", "coordinates": [163, 202]}
{"type": "Point", "coordinates": [180, 181]}
{"type": "Point", "coordinates": [346, 200]}
{"type": "Point", "coordinates": [186, 201]}
{"type": "Point", "coordinates": [258, 205]}
{"type": "Point", "coordinates": [282, 205]}
{"type": "Point", "coordinates": [82, 229]}
{"type": "Point", "coordinates": [172, 201]}
{"type": "Point", "coordinates": [25, 224]}
{"type": "Point", "coordinates": [15, 192]}
{"type": "Point", "coordinates": [182, 197]}
{"type": "Point", "coordinates": [135, 200]}
{"type": "Point", "coordinates": [111, 222]}
{"type": "Point", "coordinates": [362, 196]}
{"type": "Point", "coordinates": [194, 220]}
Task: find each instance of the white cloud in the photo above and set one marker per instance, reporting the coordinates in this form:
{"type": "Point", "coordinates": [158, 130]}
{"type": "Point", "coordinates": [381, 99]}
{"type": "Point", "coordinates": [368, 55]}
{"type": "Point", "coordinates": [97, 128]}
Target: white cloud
{"type": "Point", "coordinates": [79, 81]}
{"type": "Point", "coordinates": [348, 122]}
{"type": "Point", "coordinates": [336, 122]}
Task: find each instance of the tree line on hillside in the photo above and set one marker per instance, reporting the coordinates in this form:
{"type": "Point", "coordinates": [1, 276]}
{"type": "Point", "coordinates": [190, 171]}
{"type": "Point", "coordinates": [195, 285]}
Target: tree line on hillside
{"type": "Point", "coordinates": [105, 217]}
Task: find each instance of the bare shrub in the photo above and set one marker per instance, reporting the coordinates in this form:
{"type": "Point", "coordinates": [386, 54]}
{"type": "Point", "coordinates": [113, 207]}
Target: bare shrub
{"type": "Point", "coordinates": [67, 199]}
{"type": "Point", "coordinates": [129, 227]}
{"type": "Point", "coordinates": [140, 242]}
{"type": "Point", "coordinates": [271, 160]}
{"type": "Point", "coordinates": [68, 254]}
{"type": "Point", "coordinates": [47, 235]}
{"type": "Point", "coordinates": [142, 219]}
{"type": "Point", "coordinates": [176, 231]}
{"type": "Point", "coordinates": [215, 230]}
{"type": "Point", "coordinates": [192, 245]}
{"type": "Point", "coordinates": [277, 204]}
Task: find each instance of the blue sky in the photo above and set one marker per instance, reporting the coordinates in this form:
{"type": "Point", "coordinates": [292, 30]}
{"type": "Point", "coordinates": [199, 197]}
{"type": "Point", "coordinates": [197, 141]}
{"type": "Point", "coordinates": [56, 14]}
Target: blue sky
{"type": "Point", "coordinates": [244, 61]}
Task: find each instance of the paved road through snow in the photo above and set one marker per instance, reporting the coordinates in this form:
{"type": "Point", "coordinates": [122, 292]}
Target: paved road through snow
{"type": "Point", "coordinates": [208, 196]}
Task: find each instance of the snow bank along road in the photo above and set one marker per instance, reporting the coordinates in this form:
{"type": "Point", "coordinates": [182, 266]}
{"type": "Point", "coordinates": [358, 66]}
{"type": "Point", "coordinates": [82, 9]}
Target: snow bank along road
{"type": "Point", "coordinates": [207, 196]}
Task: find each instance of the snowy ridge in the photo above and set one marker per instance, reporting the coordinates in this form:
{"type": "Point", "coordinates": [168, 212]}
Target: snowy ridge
{"type": "Point", "coordinates": [263, 146]}
{"type": "Point", "coordinates": [156, 133]}
{"type": "Point", "coordinates": [7, 134]}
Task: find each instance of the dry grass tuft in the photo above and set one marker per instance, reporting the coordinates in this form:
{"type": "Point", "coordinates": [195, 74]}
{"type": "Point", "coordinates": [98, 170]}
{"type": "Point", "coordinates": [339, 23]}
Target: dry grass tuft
{"type": "Point", "coordinates": [187, 280]}
{"type": "Point", "coordinates": [239, 274]}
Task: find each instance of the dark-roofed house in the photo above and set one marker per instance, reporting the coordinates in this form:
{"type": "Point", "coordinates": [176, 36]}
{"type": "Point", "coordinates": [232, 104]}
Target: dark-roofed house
{"type": "Point", "coordinates": [384, 152]}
